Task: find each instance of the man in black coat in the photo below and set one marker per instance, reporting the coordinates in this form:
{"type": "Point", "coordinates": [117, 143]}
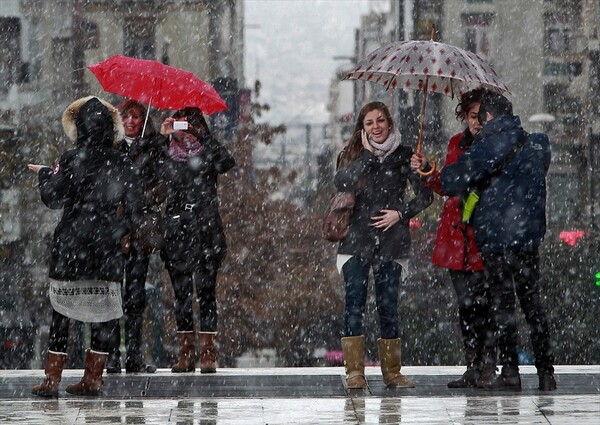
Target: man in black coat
{"type": "Point", "coordinates": [509, 167]}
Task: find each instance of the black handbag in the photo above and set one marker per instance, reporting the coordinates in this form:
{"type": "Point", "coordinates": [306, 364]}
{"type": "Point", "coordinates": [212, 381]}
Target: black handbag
{"type": "Point", "coordinates": [149, 234]}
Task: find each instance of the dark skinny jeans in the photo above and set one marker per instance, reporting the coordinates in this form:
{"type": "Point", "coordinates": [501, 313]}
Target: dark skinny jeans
{"type": "Point", "coordinates": [387, 282]}
{"type": "Point", "coordinates": [518, 271]}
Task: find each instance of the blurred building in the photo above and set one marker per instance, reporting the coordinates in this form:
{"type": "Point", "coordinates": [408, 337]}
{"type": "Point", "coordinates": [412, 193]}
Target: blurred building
{"type": "Point", "coordinates": [546, 51]}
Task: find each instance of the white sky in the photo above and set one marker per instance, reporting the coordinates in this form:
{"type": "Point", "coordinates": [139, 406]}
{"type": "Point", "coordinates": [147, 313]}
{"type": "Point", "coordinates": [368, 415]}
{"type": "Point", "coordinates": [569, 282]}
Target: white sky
{"type": "Point", "coordinates": [290, 47]}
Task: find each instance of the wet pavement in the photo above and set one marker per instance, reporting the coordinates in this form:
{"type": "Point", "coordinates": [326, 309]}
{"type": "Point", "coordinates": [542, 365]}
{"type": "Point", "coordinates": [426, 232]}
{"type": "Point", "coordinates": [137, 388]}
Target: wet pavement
{"type": "Point", "coordinates": [301, 396]}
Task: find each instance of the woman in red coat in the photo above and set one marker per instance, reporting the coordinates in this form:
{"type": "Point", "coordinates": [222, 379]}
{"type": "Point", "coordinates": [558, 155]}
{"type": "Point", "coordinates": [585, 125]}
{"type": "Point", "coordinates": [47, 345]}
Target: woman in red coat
{"type": "Point", "coordinates": [456, 251]}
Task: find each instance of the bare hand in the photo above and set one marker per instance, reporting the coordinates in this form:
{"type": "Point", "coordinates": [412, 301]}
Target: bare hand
{"type": "Point", "coordinates": [418, 162]}
{"type": "Point", "coordinates": [364, 137]}
{"type": "Point", "coordinates": [36, 167]}
{"type": "Point", "coordinates": [386, 220]}
{"type": "Point", "coordinates": [166, 128]}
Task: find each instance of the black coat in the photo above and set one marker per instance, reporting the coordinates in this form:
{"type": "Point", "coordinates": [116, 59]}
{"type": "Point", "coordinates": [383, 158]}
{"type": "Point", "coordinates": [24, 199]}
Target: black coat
{"type": "Point", "coordinates": [193, 228]}
{"type": "Point", "coordinates": [89, 183]}
{"type": "Point", "coordinates": [145, 154]}
{"type": "Point", "coordinates": [381, 185]}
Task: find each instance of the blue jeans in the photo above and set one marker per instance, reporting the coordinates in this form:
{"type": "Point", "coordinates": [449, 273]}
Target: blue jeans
{"type": "Point", "coordinates": [387, 282]}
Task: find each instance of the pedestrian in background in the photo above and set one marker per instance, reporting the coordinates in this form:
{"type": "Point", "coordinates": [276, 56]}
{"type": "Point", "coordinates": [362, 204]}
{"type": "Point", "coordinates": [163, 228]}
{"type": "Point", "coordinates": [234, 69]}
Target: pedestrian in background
{"type": "Point", "coordinates": [455, 249]}
{"type": "Point", "coordinates": [194, 237]}
{"type": "Point", "coordinates": [97, 189]}
{"type": "Point", "coordinates": [144, 152]}
{"type": "Point", "coordinates": [508, 167]}
{"type": "Point", "coordinates": [375, 165]}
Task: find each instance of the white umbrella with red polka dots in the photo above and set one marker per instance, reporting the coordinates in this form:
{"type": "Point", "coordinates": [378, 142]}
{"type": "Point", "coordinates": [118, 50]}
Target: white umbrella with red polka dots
{"type": "Point", "coordinates": [427, 66]}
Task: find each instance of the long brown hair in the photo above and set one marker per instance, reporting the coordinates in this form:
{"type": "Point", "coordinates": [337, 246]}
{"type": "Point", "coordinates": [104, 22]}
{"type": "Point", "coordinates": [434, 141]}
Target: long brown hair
{"type": "Point", "coordinates": [354, 147]}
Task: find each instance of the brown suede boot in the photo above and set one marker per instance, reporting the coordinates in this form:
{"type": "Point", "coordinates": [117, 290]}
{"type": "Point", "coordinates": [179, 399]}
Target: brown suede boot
{"type": "Point", "coordinates": [208, 352]}
{"type": "Point", "coordinates": [55, 363]}
{"type": "Point", "coordinates": [187, 353]}
{"type": "Point", "coordinates": [389, 357]}
{"type": "Point", "coordinates": [91, 383]}
{"type": "Point", "coordinates": [354, 361]}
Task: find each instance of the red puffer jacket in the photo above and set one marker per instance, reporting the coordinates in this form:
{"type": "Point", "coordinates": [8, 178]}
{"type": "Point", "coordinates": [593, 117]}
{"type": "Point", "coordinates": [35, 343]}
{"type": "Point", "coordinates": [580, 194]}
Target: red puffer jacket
{"type": "Point", "coordinates": [455, 246]}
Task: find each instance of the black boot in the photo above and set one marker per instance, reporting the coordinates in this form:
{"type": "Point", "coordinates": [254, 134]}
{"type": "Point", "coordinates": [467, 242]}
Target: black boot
{"type": "Point", "coordinates": [509, 380]}
{"type": "Point", "coordinates": [487, 376]}
{"type": "Point", "coordinates": [467, 380]}
{"type": "Point", "coordinates": [546, 381]}
{"type": "Point", "coordinates": [134, 361]}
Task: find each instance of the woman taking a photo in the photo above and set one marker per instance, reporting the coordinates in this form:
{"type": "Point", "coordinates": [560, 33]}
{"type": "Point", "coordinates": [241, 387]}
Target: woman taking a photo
{"type": "Point", "coordinates": [376, 167]}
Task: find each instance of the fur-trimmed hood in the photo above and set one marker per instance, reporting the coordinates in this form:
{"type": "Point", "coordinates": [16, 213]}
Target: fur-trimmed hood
{"type": "Point", "coordinates": [70, 115]}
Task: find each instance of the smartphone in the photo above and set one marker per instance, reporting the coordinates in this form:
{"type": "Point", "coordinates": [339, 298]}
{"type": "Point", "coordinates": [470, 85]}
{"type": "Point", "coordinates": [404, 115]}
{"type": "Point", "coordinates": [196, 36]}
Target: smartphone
{"type": "Point", "coordinates": [180, 125]}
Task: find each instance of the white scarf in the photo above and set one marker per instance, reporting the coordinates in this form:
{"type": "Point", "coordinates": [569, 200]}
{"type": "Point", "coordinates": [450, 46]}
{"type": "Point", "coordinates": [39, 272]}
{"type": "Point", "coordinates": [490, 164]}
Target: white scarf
{"type": "Point", "coordinates": [389, 145]}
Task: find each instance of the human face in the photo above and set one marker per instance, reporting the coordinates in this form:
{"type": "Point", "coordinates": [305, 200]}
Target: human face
{"type": "Point", "coordinates": [472, 121]}
{"type": "Point", "coordinates": [133, 121]}
{"type": "Point", "coordinates": [376, 125]}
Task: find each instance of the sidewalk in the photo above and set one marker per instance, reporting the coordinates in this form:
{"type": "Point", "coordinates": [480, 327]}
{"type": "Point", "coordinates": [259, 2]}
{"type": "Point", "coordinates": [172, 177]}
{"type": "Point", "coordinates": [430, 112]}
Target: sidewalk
{"type": "Point", "coordinates": [302, 396]}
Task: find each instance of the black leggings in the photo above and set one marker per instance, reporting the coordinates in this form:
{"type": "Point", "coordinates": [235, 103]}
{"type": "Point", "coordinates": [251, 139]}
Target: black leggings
{"type": "Point", "coordinates": [205, 278]}
{"type": "Point", "coordinates": [59, 334]}
{"type": "Point", "coordinates": [475, 316]}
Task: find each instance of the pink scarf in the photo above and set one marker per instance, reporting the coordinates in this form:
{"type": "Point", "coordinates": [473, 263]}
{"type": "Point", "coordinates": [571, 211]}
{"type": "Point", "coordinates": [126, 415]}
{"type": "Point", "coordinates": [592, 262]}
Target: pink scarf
{"type": "Point", "coordinates": [183, 146]}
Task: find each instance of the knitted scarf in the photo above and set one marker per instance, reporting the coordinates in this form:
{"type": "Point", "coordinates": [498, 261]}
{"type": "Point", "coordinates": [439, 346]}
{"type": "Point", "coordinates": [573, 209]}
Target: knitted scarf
{"type": "Point", "coordinates": [183, 146]}
{"type": "Point", "coordinates": [389, 145]}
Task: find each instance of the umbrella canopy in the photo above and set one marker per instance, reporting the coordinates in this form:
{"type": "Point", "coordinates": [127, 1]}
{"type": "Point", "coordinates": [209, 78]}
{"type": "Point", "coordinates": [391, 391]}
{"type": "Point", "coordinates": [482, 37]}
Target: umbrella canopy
{"type": "Point", "coordinates": [429, 66]}
{"type": "Point", "coordinates": [156, 84]}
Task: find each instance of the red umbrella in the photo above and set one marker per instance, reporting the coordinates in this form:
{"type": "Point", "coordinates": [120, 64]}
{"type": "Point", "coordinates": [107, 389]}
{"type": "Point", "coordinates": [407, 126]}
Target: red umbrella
{"type": "Point", "coordinates": [156, 84]}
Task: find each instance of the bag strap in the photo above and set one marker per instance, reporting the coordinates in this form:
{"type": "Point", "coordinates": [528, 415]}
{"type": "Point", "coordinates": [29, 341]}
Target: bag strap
{"type": "Point", "coordinates": [507, 159]}
{"type": "Point", "coordinates": [339, 158]}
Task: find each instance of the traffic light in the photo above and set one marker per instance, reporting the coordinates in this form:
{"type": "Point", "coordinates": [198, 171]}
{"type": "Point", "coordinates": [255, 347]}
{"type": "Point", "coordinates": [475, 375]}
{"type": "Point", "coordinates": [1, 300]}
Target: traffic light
{"type": "Point", "coordinates": [597, 278]}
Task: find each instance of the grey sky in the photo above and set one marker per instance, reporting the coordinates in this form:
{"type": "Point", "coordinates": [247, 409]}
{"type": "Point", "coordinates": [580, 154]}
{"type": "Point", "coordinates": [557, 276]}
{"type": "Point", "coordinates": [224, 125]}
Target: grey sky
{"type": "Point", "coordinates": [291, 51]}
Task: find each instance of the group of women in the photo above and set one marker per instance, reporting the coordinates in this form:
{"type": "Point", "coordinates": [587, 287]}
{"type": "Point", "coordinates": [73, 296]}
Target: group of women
{"type": "Point", "coordinates": [115, 176]}
{"type": "Point", "coordinates": [377, 167]}
{"type": "Point", "coordinates": [121, 169]}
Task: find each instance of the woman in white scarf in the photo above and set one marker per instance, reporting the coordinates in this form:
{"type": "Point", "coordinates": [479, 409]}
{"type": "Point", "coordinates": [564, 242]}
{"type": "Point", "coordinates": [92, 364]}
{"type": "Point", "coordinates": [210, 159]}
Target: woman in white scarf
{"type": "Point", "coordinates": [376, 167]}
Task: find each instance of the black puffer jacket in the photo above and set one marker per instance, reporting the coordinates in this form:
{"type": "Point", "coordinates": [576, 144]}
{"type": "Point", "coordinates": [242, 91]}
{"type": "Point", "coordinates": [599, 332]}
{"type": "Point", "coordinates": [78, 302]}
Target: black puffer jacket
{"type": "Point", "coordinates": [90, 183]}
{"type": "Point", "coordinates": [378, 186]}
{"type": "Point", "coordinates": [193, 228]}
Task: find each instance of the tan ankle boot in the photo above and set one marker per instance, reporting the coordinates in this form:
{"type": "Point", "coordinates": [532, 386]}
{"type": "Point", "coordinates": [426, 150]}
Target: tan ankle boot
{"type": "Point", "coordinates": [55, 363]}
{"type": "Point", "coordinates": [208, 352]}
{"type": "Point", "coordinates": [187, 353]}
{"type": "Point", "coordinates": [389, 357]}
{"type": "Point", "coordinates": [354, 361]}
{"type": "Point", "coordinates": [91, 383]}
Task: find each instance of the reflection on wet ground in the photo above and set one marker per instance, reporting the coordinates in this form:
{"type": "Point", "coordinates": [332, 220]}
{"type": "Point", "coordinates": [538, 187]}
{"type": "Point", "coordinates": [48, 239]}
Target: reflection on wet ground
{"type": "Point", "coordinates": [302, 396]}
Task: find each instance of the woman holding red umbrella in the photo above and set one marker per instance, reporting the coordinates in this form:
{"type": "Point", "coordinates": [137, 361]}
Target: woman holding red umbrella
{"type": "Point", "coordinates": [455, 249]}
{"type": "Point", "coordinates": [140, 145]}
{"type": "Point", "coordinates": [194, 237]}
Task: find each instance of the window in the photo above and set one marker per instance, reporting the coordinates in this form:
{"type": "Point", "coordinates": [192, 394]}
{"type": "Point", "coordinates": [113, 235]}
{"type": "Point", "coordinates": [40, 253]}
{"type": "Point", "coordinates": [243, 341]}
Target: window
{"type": "Point", "coordinates": [140, 40]}
{"type": "Point", "coordinates": [558, 38]}
{"type": "Point", "coordinates": [11, 69]}
{"type": "Point", "coordinates": [479, 36]}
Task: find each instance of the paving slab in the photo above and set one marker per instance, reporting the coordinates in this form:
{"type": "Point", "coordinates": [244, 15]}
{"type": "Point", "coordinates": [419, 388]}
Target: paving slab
{"type": "Point", "coordinates": [302, 396]}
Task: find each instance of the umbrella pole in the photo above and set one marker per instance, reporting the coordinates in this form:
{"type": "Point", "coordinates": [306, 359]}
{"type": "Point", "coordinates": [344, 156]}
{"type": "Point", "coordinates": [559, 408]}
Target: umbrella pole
{"type": "Point", "coordinates": [420, 141]}
{"type": "Point", "coordinates": [146, 120]}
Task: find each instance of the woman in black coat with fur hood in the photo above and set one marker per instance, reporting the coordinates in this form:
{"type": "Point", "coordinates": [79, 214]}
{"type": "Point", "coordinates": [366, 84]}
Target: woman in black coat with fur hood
{"type": "Point", "coordinates": [97, 190]}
